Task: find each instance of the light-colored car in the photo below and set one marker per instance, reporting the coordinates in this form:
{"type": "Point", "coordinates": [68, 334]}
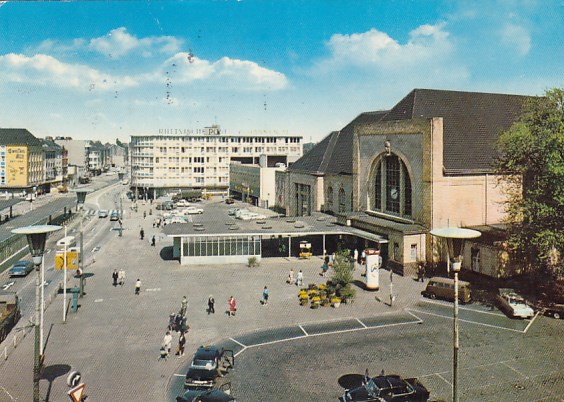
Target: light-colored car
{"type": "Point", "coordinates": [175, 219]}
{"type": "Point", "coordinates": [182, 203]}
{"type": "Point", "coordinates": [193, 210]}
{"type": "Point", "coordinates": [103, 213]}
{"type": "Point", "coordinates": [513, 304]}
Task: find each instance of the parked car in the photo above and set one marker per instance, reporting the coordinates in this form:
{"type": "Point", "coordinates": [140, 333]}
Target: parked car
{"type": "Point", "coordinates": [103, 213]}
{"type": "Point", "coordinates": [208, 363]}
{"type": "Point", "coordinates": [388, 388]}
{"type": "Point", "coordinates": [232, 211]}
{"type": "Point", "coordinates": [193, 210]}
{"type": "Point", "coordinates": [175, 219]}
{"type": "Point", "coordinates": [21, 268]}
{"type": "Point", "coordinates": [443, 288]}
{"type": "Point", "coordinates": [230, 201]}
{"type": "Point", "coordinates": [114, 216]}
{"type": "Point", "coordinates": [513, 304]}
{"type": "Point", "coordinates": [182, 203]}
{"type": "Point", "coordinates": [555, 310]}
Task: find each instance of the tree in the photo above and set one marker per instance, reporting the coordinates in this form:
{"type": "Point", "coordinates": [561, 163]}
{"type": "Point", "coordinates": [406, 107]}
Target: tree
{"type": "Point", "coordinates": [531, 168]}
{"type": "Point", "coordinates": [343, 268]}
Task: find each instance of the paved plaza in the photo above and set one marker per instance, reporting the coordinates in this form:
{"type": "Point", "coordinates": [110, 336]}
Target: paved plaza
{"type": "Point", "coordinates": [115, 336]}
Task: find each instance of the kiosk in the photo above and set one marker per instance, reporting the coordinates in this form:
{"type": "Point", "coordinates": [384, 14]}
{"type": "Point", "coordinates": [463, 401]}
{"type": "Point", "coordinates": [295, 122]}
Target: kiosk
{"type": "Point", "coordinates": [373, 264]}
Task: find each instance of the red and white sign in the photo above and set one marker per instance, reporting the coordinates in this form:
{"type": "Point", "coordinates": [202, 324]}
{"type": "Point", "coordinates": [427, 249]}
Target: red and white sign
{"type": "Point", "coordinates": [76, 393]}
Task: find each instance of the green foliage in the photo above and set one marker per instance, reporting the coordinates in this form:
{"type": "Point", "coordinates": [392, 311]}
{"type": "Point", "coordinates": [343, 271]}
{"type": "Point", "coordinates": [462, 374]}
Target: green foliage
{"type": "Point", "coordinates": [531, 163]}
{"type": "Point", "coordinates": [253, 262]}
{"type": "Point", "coordinates": [343, 268]}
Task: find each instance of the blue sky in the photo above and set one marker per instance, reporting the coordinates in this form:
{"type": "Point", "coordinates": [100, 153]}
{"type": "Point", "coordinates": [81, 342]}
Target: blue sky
{"type": "Point", "coordinates": [107, 70]}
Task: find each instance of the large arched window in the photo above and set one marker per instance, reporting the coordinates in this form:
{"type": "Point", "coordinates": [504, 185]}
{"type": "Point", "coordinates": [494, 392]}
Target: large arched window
{"type": "Point", "coordinates": [329, 200]}
{"type": "Point", "coordinates": [342, 200]}
{"type": "Point", "coordinates": [392, 186]}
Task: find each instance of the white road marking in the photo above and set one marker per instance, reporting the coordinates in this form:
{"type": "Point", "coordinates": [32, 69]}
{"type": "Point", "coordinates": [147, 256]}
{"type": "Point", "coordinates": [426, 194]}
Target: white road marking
{"type": "Point", "coordinates": [461, 307]}
{"type": "Point", "coordinates": [442, 378]}
{"type": "Point", "coordinates": [468, 321]}
{"type": "Point", "coordinates": [153, 290]}
{"type": "Point", "coordinates": [98, 300]}
{"type": "Point", "coordinates": [514, 369]}
{"type": "Point", "coordinates": [531, 323]}
{"type": "Point", "coordinates": [303, 330]}
{"type": "Point", "coordinates": [361, 323]}
{"type": "Point", "coordinates": [413, 315]}
{"type": "Point", "coordinates": [237, 342]}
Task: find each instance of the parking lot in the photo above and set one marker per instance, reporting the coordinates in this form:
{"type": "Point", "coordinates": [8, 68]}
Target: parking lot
{"type": "Point", "coordinates": [500, 358]}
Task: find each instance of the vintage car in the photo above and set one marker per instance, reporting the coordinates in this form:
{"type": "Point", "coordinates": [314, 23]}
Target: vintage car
{"type": "Point", "coordinates": [222, 394]}
{"type": "Point", "coordinates": [208, 364]}
{"type": "Point", "coordinates": [388, 388]}
{"type": "Point", "coordinates": [555, 310]}
{"type": "Point", "coordinates": [513, 304]}
{"type": "Point", "coordinates": [21, 268]}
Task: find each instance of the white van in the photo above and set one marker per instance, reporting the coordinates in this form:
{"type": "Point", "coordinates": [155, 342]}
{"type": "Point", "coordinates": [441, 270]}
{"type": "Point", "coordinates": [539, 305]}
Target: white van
{"type": "Point", "coordinates": [66, 242]}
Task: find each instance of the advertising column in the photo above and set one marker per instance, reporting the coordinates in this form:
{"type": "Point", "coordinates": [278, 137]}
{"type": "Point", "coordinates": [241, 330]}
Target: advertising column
{"type": "Point", "coordinates": [373, 264]}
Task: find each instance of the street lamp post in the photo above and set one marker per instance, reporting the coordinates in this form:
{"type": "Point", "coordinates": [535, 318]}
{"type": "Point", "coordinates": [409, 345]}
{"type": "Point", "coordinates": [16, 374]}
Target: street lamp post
{"type": "Point", "coordinates": [455, 238]}
{"type": "Point", "coordinates": [36, 236]}
{"type": "Point", "coordinates": [80, 198]}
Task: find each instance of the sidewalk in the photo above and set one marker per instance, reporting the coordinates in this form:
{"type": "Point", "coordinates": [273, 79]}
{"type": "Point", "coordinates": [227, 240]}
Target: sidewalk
{"type": "Point", "coordinates": [115, 336]}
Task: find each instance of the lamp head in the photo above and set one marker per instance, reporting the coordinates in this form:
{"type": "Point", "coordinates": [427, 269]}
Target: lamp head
{"type": "Point", "coordinates": [36, 236]}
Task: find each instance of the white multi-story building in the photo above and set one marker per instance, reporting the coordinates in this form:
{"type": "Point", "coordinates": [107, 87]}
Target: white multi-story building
{"type": "Point", "coordinates": [177, 159]}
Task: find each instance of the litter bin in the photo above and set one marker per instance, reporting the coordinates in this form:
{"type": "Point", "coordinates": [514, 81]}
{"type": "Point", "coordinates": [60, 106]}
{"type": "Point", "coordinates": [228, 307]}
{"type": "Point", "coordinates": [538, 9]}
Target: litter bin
{"type": "Point", "coordinates": [75, 293]}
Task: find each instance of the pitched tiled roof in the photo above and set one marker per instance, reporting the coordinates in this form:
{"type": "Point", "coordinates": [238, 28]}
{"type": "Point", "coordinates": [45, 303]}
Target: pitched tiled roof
{"type": "Point", "coordinates": [334, 153]}
{"type": "Point", "coordinates": [472, 122]}
{"type": "Point", "coordinates": [18, 136]}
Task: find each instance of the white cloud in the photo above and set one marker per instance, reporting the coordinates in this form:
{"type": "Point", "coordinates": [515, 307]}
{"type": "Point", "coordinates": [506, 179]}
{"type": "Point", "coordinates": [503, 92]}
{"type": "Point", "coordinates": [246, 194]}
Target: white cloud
{"type": "Point", "coordinates": [375, 48]}
{"type": "Point", "coordinates": [118, 42]}
{"type": "Point", "coordinates": [516, 37]}
{"type": "Point", "coordinates": [184, 68]}
{"type": "Point", "coordinates": [44, 70]}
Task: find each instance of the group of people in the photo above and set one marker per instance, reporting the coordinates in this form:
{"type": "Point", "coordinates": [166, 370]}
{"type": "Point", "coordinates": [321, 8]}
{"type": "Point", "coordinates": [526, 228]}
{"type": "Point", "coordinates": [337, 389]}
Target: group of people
{"type": "Point", "coordinates": [167, 344]}
{"type": "Point", "coordinates": [157, 223]}
{"type": "Point", "coordinates": [118, 277]}
{"type": "Point", "coordinates": [299, 281]}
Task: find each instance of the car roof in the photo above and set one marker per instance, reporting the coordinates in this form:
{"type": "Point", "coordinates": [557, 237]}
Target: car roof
{"type": "Point", "coordinates": [22, 263]}
{"type": "Point", "coordinates": [206, 353]}
{"type": "Point", "coordinates": [212, 395]}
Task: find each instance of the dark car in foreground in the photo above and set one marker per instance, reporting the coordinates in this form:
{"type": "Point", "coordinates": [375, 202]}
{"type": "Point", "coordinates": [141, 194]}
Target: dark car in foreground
{"type": "Point", "coordinates": [388, 388]}
{"type": "Point", "coordinates": [208, 364]}
{"type": "Point", "coordinates": [555, 310]}
{"type": "Point", "coordinates": [21, 268]}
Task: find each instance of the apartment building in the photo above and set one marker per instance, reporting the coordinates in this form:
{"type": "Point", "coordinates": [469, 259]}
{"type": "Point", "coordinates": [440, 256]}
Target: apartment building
{"type": "Point", "coordinates": [21, 160]}
{"type": "Point", "coordinates": [178, 159]}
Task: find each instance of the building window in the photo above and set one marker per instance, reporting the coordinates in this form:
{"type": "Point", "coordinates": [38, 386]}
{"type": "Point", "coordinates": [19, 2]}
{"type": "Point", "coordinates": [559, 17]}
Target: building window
{"type": "Point", "coordinates": [329, 201]}
{"type": "Point", "coordinates": [413, 252]}
{"type": "Point", "coordinates": [303, 200]}
{"type": "Point", "coordinates": [392, 187]}
{"type": "Point", "coordinates": [342, 200]}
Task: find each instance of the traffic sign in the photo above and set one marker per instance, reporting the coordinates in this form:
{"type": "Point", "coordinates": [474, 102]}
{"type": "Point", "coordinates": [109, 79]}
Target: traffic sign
{"type": "Point", "coordinates": [72, 260]}
{"type": "Point", "coordinates": [77, 392]}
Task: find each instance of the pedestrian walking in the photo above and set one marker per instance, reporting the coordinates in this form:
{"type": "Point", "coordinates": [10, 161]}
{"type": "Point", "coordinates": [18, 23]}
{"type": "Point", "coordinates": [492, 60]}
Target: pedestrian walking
{"type": "Point", "coordinates": [421, 272]}
{"type": "Point", "coordinates": [167, 341]}
{"type": "Point", "coordinates": [121, 277]}
{"type": "Point", "coordinates": [115, 277]}
{"type": "Point", "coordinates": [363, 257]}
{"type": "Point", "coordinates": [355, 256]}
{"type": "Point", "coordinates": [154, 222]}
{"type": "Point", "coordinates": [332, 259]}
{"type": "Point", "coordinates": [142, 234]}
{"type": "Point", "coordinates": [181, 345]}
{"type": "Point", "coordinates": [137, 286]}
{"type": "Point", "coordinates": [153, 241]}
{"type": "Point", "coordinates": [264, 300]}
{"type": "Point", "coordinates": [144, 214]}
{"type": "Point", "coordinates": [324, 269]}
{"type": "Point", "coordinates": [290, 279]}
{"type": "Point", "coordinates": [183, 306]}
{"type": "Point", "coordinates": [300, 280]}
{"type": "Point", "coordinates": [232, 306]}
{"type": "Point", "coordinates": [211, 305]}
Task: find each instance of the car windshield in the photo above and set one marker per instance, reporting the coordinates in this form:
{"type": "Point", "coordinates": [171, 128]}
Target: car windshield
{"type": "Point", "coordinates": [372, 388]}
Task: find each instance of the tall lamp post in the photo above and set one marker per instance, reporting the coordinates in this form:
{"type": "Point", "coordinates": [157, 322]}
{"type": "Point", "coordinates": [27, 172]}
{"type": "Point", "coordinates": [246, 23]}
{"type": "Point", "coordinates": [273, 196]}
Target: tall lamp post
{"type": "Point", "coordinates": [80, 198]}
{"type": "Point", "coordinates": [455, 238]}
{"type": "Point", "coordinates": [36, 236]}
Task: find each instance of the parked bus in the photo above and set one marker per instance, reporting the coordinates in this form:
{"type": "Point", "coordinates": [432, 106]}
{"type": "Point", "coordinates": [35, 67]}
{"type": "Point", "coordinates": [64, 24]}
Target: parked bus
{"type": "Point", "coordinates": [67, 242]}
